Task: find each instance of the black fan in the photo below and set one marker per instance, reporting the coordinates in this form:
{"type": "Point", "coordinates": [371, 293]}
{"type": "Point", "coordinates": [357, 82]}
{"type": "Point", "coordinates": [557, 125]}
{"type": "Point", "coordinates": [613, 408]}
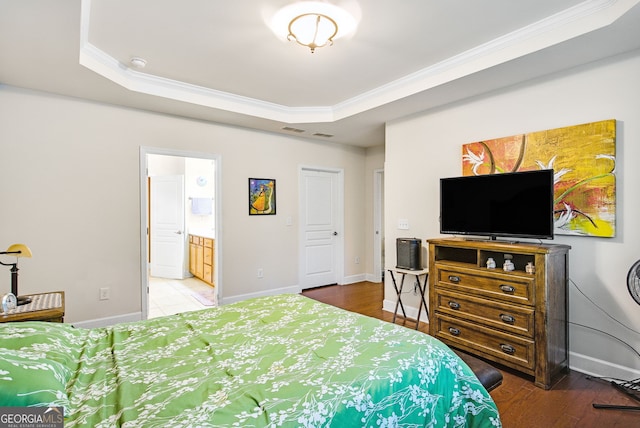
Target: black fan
{"type": "Point", "coordinates": [633, 281]}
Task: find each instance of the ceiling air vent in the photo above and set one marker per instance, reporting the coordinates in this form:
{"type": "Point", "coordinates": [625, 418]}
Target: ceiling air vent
{"type": "Point", "coordinates": [290, 129]}
{"type": "Point", "coordinates": [319, 134]}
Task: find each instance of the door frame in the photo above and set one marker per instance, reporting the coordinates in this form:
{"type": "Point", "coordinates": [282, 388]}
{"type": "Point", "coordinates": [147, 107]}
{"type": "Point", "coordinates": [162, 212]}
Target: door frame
{"type": "Point", "coordinates": [378, 224]}
{"type": "Point", "coordinates": [339, 242]}
{"type": "Point", "coordinates": [144, 225]}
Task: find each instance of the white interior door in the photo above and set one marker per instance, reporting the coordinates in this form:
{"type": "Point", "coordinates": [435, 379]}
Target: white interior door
{"type": "Point", "coordinates": [321, 224]}
{"type": "Point", "coordinates": [167, 226]}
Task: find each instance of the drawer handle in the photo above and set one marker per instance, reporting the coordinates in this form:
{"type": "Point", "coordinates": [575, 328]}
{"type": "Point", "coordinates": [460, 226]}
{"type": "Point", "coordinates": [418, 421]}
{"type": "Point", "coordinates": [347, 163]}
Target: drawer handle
{"type": "Point", "coordinates": [509, 319]}
{"type": "Point", "coordinates": [507, 349]}
{"type": "Point", "coordinates": [454, 278]}
{"type": "Point", "coordinates": [454, 331]}
{"type": "Point", "coordinates": [507, 288]}
{"type": "Point", "coordinates": [454, 305]}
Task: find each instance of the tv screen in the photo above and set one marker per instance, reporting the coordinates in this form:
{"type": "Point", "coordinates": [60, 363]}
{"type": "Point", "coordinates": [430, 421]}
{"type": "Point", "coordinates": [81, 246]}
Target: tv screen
{"type": "Point", "coordinates": [518, 204]}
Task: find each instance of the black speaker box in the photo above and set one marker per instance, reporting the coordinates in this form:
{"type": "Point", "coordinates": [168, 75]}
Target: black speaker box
{"type": "Point", "coordinates": [409, 253]}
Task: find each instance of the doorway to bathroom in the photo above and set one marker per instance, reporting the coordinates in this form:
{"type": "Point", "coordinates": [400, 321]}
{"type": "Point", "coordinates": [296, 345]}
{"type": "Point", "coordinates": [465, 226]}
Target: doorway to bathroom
{"type": "Point", "coordinates": [178, 199]}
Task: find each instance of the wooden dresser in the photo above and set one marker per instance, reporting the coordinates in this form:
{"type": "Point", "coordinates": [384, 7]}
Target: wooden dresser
{"type": "Point", "coordinates": [201, 251]}
{"type": "Point", "coordinates": [514, 318]}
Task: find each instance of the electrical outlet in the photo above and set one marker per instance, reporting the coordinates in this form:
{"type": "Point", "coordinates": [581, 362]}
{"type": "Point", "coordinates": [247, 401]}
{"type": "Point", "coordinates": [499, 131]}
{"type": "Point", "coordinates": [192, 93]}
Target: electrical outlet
{"type": "Point", "coordinates": [260, 273]}
{"type": "Point", "coordinates": [104, 293]}
{"type": "Point", "coordinates": [357, 260]}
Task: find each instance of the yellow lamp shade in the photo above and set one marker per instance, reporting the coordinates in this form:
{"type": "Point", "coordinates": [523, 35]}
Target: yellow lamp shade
{"type": "Point", "coordinates": [20, 250]}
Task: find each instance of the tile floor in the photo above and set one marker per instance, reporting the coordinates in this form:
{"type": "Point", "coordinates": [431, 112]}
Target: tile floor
{"type": "Point", "coordinates": [172, 296]}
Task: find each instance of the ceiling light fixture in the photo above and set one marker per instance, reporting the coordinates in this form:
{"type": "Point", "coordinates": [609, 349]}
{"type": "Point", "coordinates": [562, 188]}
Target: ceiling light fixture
{"type": "Point", "coordinates": [313, 24]}
{"type": "Point", "coordinates": [313, 30]}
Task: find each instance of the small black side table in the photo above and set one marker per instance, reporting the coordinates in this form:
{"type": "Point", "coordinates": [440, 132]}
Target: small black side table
{"type": "Point", "coordinates": [422, 288]}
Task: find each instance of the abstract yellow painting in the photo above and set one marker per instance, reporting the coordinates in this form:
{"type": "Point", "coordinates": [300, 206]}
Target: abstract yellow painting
{"type": "Point", "coordinates": [583, 160]}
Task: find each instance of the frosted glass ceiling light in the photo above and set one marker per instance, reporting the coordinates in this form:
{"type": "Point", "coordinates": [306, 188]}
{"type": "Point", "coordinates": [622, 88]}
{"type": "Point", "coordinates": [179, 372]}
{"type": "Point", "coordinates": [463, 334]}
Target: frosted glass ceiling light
{"type": "Point", "coordinates": [313, 30]}
{"type": "Point", "coordinates": [313, 24]}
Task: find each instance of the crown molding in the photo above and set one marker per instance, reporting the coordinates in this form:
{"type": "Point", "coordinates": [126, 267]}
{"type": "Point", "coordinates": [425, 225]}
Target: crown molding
{"type": "Point", "coordinates": [581, 19]}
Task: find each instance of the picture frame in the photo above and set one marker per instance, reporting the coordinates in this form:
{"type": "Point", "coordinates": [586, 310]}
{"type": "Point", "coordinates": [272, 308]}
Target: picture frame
{"type": "Point", "coordinates": [262, 196]}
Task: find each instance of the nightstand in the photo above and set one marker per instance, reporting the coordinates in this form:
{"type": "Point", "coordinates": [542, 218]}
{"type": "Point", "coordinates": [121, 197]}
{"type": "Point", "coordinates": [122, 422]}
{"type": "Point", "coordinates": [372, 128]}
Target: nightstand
{"type": "Point", "coordinates": [47, 307]}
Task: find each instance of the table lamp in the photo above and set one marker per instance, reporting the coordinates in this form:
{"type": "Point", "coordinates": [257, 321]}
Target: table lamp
{"type": "Point", "coordinates": [18, 250]}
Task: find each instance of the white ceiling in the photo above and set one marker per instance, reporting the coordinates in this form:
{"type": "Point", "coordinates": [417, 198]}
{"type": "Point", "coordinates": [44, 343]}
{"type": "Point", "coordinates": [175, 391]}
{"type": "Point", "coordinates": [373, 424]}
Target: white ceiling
{"type": "Point", "coordinates": [217, 60]}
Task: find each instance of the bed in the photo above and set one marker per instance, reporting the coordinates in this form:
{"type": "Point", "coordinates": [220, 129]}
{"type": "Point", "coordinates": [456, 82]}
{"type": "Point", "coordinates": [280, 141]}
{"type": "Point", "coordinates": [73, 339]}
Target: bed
{"type": "Point", "coordinates": [283, 360]}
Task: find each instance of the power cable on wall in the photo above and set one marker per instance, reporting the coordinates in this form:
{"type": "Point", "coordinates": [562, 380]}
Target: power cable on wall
{"type": "Point", "coordinates": [635, 351]}
{"type": "Point", "coordinates": [601, 309]}
{"type": "Point", "coordinates": [608, 334]}
{"type": "Point", "coordinates": [629, 387]}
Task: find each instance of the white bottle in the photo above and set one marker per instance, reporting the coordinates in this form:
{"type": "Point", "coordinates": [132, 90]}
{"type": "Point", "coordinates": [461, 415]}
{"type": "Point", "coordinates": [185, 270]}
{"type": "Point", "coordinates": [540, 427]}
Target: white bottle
{"type": "Point", "coordinates": [508, 266]}
{"type": "Point", "coordinates": [530, 268]}
{"type": "Point", "coordinates": [491, 264]}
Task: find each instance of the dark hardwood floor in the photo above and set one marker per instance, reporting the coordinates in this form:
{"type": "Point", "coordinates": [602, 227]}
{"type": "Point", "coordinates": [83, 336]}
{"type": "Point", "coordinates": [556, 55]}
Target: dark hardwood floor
{"type": "Point", "coordinates": [521, 404]}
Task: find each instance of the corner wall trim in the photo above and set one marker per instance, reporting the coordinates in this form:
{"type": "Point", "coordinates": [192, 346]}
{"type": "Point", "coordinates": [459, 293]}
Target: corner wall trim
{"type": "Point", "coordinates": [412, 312]}
{"type": "Point", "coordinates": [240, 297]}
{"type": "Point", "coordinates": [600, 368]}
{"type": "Point", "coordinates": [108, 321]}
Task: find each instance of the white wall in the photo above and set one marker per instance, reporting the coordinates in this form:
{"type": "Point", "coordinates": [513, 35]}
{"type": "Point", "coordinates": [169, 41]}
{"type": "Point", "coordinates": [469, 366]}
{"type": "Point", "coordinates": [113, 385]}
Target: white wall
{"type": "Point", "coordinates": [70, 190]}
{"type": "Point", "coordinates": [425, 147]}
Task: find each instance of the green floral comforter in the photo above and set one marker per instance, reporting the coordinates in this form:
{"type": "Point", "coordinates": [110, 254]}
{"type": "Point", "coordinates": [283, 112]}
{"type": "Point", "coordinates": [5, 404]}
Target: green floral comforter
{"type": "Point", "coordinates": [277, 361]}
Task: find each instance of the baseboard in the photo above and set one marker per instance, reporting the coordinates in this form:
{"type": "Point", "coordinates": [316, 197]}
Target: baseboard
{"type": "Point", "coordinates": [240, 297]}
{"type": "Point", "coordinates": [353, 279]}
{"type": "Point", "coordinates": [370, 277]}
{"type": "Point", "coordinates": [412, 312]}
{"type": "Point", "coordinates": [105, 322]}
{"type": "Point", "coordinates": [600, 368]}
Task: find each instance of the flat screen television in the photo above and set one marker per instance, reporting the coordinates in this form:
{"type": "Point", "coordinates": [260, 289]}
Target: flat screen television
{"type": "Point", "coordinates": [518, 204]}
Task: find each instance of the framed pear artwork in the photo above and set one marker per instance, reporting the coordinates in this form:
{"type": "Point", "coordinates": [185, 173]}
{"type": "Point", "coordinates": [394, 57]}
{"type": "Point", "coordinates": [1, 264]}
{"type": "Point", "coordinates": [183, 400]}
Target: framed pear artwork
{"type": "Point", "coordinates": [262, 196]}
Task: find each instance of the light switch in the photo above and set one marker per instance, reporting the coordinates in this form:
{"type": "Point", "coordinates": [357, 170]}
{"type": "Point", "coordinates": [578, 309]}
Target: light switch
{"type": "Point", "coordinates": [403, 224]}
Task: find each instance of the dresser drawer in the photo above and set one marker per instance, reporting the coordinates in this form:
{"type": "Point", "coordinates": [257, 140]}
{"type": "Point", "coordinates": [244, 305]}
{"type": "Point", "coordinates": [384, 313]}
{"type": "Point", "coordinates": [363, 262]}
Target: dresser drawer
{"type": "Point", "coordinates": [481, 340]}
{"type": "Point", "coordinates": [495, 285]}
{"type": "Point", "coordinates": [503, 316]}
